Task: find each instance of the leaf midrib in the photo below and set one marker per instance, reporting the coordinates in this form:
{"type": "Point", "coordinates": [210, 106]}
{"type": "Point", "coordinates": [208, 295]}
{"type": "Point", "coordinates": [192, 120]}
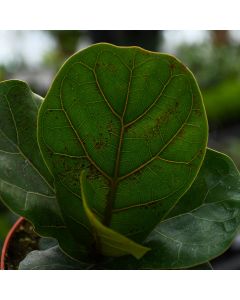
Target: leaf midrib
{"type": "Point", "coordinates": [112, 193]}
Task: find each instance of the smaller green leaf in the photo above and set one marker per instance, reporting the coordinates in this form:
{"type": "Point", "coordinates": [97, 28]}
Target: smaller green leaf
{"type": "Point", "coordinates": [45, 243]}
{"type": "Point", "coordinates": [26, 186]}
{"type": "Point", "coordinates": [203, 230]}
{"type": "Point", "coordinates": [109, 242]}
{"type": "Point", "coordinates": [51, 259]}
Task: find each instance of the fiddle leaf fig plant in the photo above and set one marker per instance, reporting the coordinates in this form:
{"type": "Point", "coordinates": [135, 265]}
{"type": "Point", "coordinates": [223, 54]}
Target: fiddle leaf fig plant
{"type": "Point", "coordinates": [113, 164]}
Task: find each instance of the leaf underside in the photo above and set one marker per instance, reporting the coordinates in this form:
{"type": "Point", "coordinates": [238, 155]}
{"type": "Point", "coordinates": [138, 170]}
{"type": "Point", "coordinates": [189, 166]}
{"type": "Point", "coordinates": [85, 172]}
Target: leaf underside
{"type": "Point", "coordinates": [134, 120]}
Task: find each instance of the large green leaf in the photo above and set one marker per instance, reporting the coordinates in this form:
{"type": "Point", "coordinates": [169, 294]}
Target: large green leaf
{"type": "Point", "coordinates": [26, 185]}
{"type": "Point", "coordinates": [198, 234]}
{"type": "Point", "coordinates": [134, 120]}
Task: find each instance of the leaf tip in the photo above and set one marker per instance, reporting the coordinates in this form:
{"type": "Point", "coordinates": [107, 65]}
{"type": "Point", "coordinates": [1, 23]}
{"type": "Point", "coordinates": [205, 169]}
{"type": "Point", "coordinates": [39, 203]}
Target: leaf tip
{"type": "Point", "coordinates": [141, 251]}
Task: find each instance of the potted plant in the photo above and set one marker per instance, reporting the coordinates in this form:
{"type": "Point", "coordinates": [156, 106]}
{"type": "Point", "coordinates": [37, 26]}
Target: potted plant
{"type": "Point", "coordinates": [112, 168]}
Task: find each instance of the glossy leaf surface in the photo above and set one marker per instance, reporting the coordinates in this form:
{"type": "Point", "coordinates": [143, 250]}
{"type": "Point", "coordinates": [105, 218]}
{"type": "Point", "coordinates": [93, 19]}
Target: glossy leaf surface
{"type": "Point", "coordinates": [26, 185]}
{"type": "Point", "coordinates": [51, 259]}
{"type": "Point", "coordinates": [198, 234]}
{"type": "Point", "coordinates": [134, 120]}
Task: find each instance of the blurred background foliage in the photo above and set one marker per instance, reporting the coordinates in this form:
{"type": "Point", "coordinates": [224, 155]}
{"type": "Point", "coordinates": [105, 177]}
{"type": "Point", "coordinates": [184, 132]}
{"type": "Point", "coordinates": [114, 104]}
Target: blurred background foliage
{"type": "Point", "coordinates": [213, 57]}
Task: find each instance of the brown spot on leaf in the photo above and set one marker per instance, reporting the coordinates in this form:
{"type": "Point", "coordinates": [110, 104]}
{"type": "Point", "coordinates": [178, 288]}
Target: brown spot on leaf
{"type": "Point", "coordinates": [111, 129]}
{"type": "Point", "coordinates": [112, 68]}
{"type": "Point", "coordinates": [99, 145]}
{"type": "Point", "coordinates": [172, 66]}
{"type": "Point", "coordinates": [181, 133]}
{"type": "Point", "coordinates": [92, 172]}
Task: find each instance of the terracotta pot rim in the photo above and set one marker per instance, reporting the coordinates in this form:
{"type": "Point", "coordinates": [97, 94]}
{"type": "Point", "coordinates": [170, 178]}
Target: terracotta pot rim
{"type": "Point", "coordinates": [8, 239]}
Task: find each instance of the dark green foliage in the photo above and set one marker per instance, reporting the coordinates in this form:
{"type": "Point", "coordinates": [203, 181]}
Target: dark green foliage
{"type": "Point", "coordinates": [134, 121]}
